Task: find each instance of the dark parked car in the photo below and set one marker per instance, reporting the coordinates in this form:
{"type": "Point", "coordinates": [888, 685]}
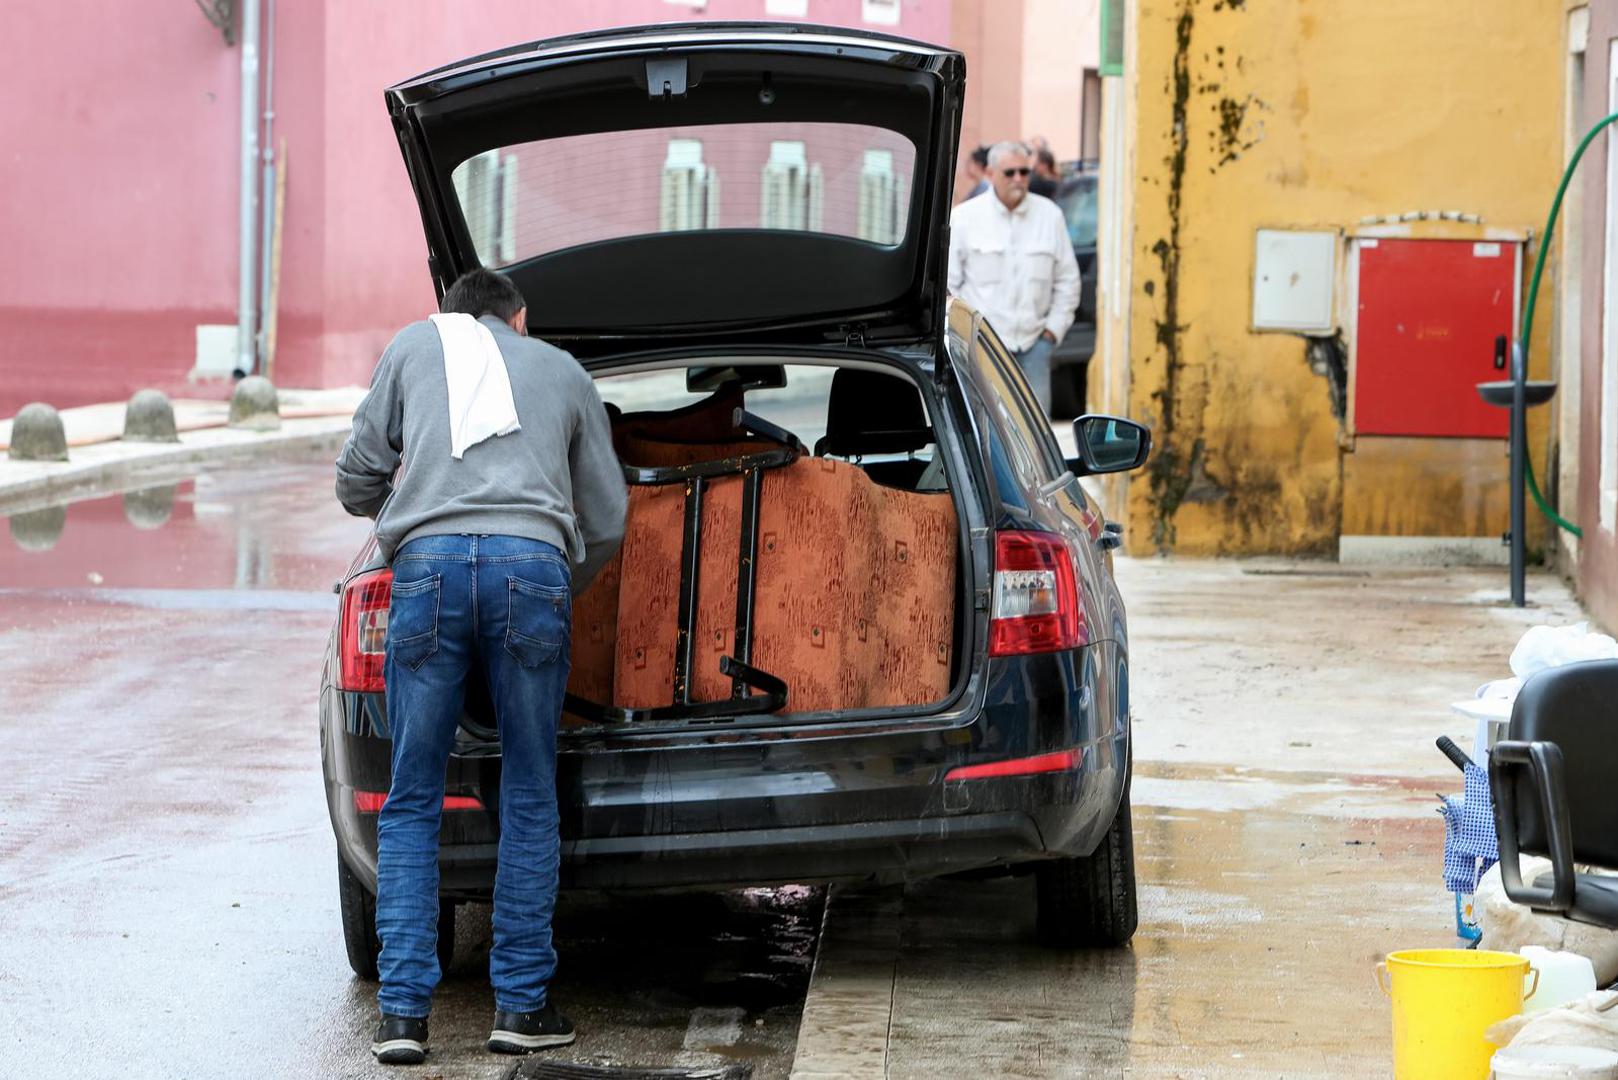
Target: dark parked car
{"type": "Point", "coordinates": [1076, 195]}
{"type": "Point", "coordinates": [915, 660]}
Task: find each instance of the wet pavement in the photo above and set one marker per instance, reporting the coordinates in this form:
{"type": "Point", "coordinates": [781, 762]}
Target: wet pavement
{"type": "Point", "coordinates": [1285, 840]}
{"type": "Point", "coordinates": [168, 889]}
{"type": "Point", "coordinates": [167, 872]}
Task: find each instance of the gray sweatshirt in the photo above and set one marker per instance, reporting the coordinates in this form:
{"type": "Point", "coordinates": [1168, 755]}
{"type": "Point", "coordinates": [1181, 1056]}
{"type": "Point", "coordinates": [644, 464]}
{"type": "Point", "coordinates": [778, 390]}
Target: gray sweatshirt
{"type": "Point", "coordinates": [557, 479]}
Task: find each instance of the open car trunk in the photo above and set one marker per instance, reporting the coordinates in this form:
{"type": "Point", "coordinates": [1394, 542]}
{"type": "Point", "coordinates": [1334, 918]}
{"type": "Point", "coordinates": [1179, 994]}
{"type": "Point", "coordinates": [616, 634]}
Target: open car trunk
{"type": "Point", "coordinates": [847, 586]}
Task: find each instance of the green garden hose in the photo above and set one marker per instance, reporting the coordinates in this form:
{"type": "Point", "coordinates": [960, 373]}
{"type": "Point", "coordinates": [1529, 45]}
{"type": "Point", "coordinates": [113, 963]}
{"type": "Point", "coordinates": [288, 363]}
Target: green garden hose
{"type": "Point", "coordinates": [1533, 297]}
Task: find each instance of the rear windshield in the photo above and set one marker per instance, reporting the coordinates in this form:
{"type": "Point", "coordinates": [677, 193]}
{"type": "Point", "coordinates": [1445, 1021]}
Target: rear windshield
{"type": "Point", "coordinates": [533, 198]}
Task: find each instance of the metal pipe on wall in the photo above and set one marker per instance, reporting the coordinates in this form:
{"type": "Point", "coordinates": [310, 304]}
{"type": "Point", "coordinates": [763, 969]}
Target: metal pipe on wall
{"type": "Point", "coordinates": [1519, 447]}
{"type": "Point", "coordinates": [267, 215]}
{"type": "Point", "coordinates": [247, 296]}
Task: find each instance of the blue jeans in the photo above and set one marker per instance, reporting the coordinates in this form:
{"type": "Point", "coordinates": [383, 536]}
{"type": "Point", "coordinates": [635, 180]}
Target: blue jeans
{"type": "Point", "coordinates": [1035, 362]}
{"type": "Point", "coordinates": [503, 603]}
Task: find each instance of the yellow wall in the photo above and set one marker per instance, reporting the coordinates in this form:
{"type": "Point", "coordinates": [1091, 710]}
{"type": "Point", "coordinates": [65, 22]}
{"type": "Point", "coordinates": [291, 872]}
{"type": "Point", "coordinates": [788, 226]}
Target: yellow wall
{"type": "Point", "coordinates": [1310, 114]}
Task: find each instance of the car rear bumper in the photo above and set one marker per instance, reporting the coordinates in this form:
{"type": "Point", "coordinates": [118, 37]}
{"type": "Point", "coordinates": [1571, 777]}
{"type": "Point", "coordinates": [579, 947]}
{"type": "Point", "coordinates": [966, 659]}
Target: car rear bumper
{"type": "Point", "coordinates": [969, 825]}
{"type": "Point", "coordinates": [751, 809]}
{"type": "Point", "coordinates": [877, 851]}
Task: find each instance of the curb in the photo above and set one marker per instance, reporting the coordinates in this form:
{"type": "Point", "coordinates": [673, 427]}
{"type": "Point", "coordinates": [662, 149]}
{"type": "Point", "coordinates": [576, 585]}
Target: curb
{"type": "Point", "coordinates": [848, 1011]}
{"type": "Point", "coordinates": [126, 466]}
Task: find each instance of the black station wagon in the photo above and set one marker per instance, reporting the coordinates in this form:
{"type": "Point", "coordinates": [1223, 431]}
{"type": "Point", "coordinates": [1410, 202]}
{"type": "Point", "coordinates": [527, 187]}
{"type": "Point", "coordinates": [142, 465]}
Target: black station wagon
{"type": "Point", "coordinates": [864, 624]}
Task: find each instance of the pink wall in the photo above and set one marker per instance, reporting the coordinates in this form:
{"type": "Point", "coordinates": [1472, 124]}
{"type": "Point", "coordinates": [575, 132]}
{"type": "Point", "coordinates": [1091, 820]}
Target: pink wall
{"type": "Point", "coordinates": [119, 207]}
{"type": "Point", "coordinates": [119, 216]}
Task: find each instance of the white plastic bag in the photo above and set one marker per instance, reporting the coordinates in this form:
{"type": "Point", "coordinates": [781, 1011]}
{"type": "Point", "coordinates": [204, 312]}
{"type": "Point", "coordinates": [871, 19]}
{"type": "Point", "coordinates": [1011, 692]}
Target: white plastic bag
{"type": "Point", "coordinates": [1592, 1021]}
{"type": "Point", "coordinates": [1552, 646]}
{"type": "Point", "coordinates": [1507, 927]}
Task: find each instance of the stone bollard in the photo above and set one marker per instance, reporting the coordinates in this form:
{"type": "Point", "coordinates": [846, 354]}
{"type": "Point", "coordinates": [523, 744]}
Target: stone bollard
{"type": "Point", "coordinates": [149, 417]}
{"type": "Point", "coordinates": [254, 405]}
{"type": "Point", "coordinates": [37, 435]}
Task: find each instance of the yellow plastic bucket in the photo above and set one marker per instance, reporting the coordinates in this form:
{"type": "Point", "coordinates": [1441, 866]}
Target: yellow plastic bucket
{"type": "Point", "coordinates": [1443, 1000]}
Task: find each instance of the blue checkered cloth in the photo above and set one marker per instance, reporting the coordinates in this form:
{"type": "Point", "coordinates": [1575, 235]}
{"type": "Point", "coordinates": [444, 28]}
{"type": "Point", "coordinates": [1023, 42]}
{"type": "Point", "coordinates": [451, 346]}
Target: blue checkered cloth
{"type": "Point", "coordinates": [1470, 847]}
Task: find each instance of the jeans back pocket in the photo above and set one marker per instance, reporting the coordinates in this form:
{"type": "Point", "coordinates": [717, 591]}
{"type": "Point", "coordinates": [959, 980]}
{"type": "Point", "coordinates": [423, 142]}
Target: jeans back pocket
{"type": "Point", "coordinates": [413, 621]}
{"type": "Point", "coordinates": [537, 621]}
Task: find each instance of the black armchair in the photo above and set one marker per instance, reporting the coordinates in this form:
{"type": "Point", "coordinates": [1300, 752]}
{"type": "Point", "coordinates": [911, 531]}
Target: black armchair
{"type": "Point", "coordinates": [1555, 789]}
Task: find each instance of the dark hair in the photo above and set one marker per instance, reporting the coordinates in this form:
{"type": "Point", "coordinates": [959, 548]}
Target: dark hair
{"type": "Point", "coordinates": [981, 156]}
{"type": "Point", "coordinates": [483, 292]}
{"type": "Point", "coordinates": [1047, 159]}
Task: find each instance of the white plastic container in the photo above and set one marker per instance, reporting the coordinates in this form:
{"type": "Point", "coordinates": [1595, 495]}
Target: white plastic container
{"type": "Point", "coordinates": [1563, 977]}
{"type": "Point", "coordinates": [1554, 1063]}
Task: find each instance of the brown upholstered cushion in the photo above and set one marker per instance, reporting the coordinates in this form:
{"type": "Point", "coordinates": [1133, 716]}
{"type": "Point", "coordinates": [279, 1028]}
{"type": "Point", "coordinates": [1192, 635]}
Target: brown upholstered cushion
{"type": "Point", "coordinates": [595, 639]}
{"type": "Point", "coordinates": [855, 596]}
{"type": "Point", "coordinates": [664, 453]}
{"type": "Point", "coordinates": [709, 420]}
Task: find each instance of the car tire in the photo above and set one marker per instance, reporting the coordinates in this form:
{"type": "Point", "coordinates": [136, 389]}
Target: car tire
{"type": "Point", "coordinates": [359, 925]}
{"type": "Point", "coordinates": [359, 922]}
{"type": "Point", "coordinates": [1090, 902]}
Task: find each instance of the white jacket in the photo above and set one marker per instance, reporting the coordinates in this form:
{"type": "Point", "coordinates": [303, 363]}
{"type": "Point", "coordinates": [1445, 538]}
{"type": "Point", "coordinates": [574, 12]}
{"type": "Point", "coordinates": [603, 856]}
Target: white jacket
{"type": "Point", "coordinates": [1016, 267]}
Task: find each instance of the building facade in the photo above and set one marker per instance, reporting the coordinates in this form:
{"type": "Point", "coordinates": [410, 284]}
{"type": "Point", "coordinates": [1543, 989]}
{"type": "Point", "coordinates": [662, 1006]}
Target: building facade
{"type": "Point", "coordinates": [121, 178]}
{"type": "Point", "coordinates": [1317, 218]}
{"type": "Point", "coordinates": [1587, 311]}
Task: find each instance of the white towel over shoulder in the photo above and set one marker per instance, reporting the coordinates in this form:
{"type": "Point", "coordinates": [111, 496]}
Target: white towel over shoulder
{"type": "Point", "coordinates": [480, 403]}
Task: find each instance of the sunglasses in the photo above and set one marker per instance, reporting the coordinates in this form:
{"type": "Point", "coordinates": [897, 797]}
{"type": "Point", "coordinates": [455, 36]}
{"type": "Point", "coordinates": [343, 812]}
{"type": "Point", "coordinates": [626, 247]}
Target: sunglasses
{"type": "Point", "coordinates": [1015, 172]}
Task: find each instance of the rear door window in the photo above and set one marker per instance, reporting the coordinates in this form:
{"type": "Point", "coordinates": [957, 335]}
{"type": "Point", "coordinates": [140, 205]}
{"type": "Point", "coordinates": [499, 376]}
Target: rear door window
{"type": "Point", "coordinates": [1033, 454]}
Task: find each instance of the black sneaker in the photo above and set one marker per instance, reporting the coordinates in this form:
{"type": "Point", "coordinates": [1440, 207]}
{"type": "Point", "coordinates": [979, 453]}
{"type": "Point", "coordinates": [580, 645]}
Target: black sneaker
{"type": "Point", "coordinates": [521, 1033]}
{"type": "Point", "coordinates": [400, 1040]}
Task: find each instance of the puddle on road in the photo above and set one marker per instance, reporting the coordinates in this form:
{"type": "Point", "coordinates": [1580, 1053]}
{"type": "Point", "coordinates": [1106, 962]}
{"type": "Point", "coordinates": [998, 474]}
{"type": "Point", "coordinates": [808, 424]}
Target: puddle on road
{"type": "Point", "coordinates": [751, 949]}
{"type": "Point", "coordinates": [681, 979]}
{"type": "Point", "coordinates": [1258, 936]}
{"type": "Point", "coordinates": [273, 527]}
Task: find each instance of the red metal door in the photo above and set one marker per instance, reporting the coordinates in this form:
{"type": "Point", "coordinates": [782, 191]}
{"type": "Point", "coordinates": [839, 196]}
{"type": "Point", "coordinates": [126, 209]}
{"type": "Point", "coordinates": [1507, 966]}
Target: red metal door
{"type": "Point", "coordinates": [1429, 312]}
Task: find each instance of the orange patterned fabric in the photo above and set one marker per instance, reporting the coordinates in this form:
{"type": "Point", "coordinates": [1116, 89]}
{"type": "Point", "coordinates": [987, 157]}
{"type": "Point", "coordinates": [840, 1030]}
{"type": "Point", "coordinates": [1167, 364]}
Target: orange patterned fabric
{"type": "Point", "coordinates": [855, 594]}
{"type": "Point", "coordinates": [595, 639]}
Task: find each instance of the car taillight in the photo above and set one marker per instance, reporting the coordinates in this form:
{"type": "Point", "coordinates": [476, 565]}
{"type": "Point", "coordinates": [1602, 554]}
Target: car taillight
{"type": "Point", "coordinates": [363, 631]}
{"type": "Point", "coordinates": [1036, 596]}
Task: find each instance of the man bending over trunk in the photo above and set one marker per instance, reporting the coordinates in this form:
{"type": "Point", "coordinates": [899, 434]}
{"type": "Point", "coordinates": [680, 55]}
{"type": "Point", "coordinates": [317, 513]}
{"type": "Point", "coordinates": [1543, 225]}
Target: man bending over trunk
{"type": "Point", "coordinates": [486, 459]}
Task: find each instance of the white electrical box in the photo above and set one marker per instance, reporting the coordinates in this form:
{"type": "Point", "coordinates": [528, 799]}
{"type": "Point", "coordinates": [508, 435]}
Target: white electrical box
{"type": "Point", "coordinates": [1294, 281]}
{"type": "Point", "coordinates": [216, 350]}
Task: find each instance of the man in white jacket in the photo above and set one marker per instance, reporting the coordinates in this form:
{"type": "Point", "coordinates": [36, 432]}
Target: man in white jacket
{"type": "Point", "coordinates": [1010, 258]}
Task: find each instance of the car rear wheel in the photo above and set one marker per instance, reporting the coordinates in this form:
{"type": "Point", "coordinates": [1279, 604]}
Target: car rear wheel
{"type": "Point", "coordinates": [1091, 901]}
{"type": "Point", "coordinates": [359, 925]}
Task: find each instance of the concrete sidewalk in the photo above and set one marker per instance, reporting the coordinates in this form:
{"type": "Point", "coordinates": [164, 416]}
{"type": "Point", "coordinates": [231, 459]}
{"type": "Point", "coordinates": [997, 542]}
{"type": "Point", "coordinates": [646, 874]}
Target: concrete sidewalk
{"type": "Point", "coordinates": [1286, 838]}
{"type": "Point", "coordinates": [99, 462]}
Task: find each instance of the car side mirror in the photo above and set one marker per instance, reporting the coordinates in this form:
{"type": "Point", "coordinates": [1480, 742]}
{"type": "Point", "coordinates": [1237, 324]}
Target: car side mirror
{"type": "Point", "coordinates": [1110, 444]}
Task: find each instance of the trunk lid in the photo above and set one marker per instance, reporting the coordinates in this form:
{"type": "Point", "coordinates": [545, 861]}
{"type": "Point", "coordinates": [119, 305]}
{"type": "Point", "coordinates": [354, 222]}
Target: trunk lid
{"type": "Point", "coordinates": [678, 183]}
